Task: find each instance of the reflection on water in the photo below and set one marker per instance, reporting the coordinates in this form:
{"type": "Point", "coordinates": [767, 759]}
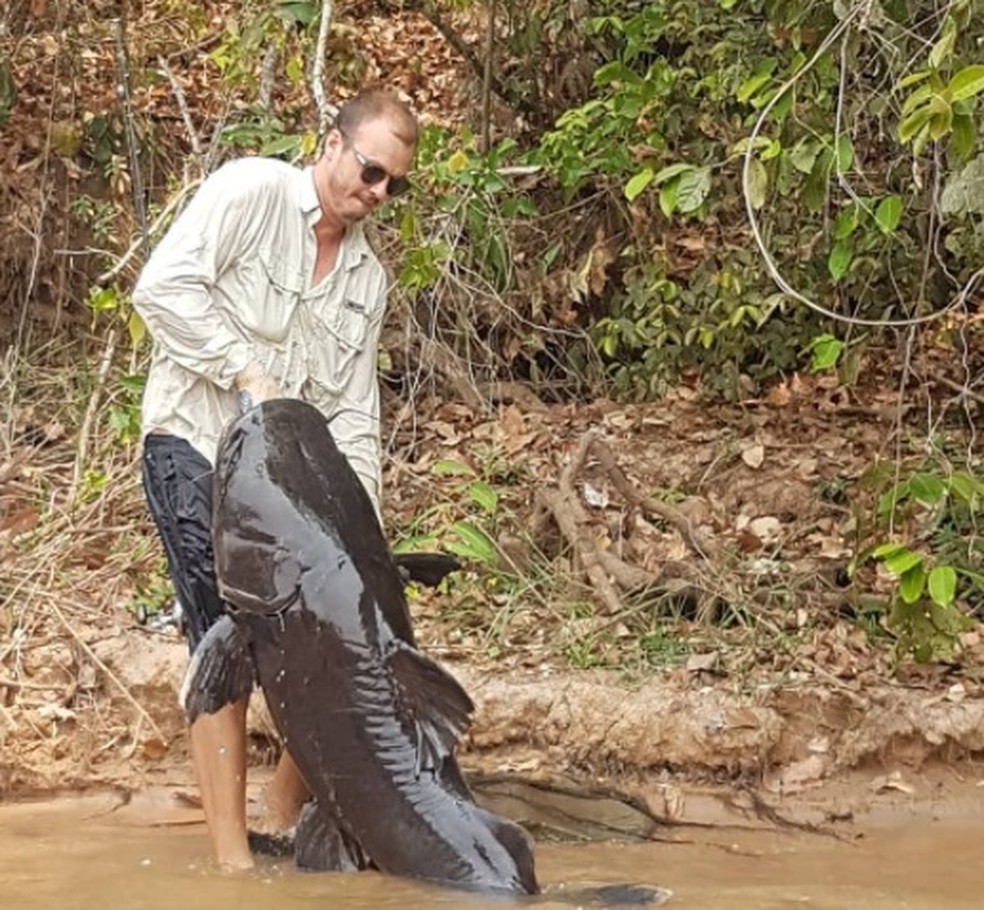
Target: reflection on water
{"type": "Point", "coordinates": [149, 855]}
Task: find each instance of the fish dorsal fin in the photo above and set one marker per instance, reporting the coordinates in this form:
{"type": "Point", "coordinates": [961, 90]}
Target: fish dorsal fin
{"type": "Point", "coordinates": [433, 701]}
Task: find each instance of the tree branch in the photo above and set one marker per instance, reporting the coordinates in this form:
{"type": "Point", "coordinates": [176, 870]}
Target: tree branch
{"type": "Point", "coordinates": [326, 111]}
{"type": "Point", "coordinates": [179, 96]}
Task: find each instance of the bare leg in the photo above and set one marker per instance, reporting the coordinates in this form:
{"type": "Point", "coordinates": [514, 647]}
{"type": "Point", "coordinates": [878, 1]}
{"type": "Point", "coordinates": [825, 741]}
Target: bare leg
{"type": "Point", "coordinates": [218, 745]}
{"type": "Point", "coordinates": [284, 796]}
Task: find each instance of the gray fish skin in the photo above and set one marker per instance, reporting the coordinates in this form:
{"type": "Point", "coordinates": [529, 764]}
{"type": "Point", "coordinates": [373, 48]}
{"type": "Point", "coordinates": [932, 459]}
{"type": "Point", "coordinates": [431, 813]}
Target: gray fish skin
{"type": "Point", "coordinates": [318, 612]}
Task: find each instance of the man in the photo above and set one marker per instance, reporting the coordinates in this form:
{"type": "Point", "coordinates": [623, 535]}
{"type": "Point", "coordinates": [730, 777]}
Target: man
{"type": "Point", "coordinates": [265, 285]}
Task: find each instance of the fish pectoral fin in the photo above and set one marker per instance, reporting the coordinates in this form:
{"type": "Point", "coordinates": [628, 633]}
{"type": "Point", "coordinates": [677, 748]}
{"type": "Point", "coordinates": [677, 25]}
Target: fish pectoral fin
{"type": "Point", "coordinates": [439, 708]}
{"type": "Point", "coordinates": [221, 670]}
{"type": "Point", "coordinates": [425, 568]}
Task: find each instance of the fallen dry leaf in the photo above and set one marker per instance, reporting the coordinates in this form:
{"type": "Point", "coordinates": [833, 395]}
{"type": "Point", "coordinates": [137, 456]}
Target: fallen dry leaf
{"type": "Point", "coordinates": [699, 662]}
{"type": "Point", "coordinates": [754, 455]}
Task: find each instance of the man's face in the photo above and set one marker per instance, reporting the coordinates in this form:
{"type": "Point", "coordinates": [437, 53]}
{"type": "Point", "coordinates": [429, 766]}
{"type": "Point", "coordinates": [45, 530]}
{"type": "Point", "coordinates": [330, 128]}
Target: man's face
{"type": "Point", "coordinates": [370, 150]}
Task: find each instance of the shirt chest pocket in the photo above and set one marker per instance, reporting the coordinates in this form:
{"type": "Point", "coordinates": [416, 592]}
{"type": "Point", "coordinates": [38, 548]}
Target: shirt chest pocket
{"type": "Point", "coordinates": [274, 302]}
{"type": "Point", "coordinates": [344, 323]}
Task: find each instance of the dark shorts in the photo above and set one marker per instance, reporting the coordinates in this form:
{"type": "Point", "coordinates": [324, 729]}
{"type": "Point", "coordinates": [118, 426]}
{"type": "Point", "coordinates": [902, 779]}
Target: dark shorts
{"type": "Point", "coordinates": [177, 481]}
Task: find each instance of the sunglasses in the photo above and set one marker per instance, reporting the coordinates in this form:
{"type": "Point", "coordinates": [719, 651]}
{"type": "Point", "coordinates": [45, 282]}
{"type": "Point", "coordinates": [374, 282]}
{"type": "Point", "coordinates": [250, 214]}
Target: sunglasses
{"type": "Point", "coordinates": [374, 173]}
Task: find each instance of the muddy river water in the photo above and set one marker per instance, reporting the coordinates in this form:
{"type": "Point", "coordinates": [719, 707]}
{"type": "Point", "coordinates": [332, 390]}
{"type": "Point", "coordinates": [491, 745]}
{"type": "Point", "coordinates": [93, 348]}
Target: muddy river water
{"type": "Point", "coordinates": [92, 852]}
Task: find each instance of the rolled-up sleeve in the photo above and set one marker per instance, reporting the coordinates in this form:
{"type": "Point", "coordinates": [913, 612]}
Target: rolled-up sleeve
{"type": "Point", "coordinates": [174, 294]}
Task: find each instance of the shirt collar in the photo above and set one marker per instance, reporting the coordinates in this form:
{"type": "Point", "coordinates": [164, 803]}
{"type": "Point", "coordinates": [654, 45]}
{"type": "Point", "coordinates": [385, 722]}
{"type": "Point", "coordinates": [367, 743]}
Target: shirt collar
{"type": "Point", "coordinates": [355, 247]}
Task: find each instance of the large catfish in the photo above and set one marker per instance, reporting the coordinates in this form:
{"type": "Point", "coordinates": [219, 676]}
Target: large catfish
{"type": "Point", "coordinates": [318, 617]}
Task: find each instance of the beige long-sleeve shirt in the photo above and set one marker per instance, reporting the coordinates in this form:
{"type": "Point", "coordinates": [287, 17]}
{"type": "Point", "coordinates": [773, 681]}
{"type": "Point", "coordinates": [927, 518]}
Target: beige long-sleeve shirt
{"type": "Point", "coordinates": [231, 283]}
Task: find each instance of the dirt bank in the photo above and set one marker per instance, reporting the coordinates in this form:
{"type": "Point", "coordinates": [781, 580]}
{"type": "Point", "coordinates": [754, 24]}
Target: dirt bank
{"type": "Point", "coordinates": [662, 741]}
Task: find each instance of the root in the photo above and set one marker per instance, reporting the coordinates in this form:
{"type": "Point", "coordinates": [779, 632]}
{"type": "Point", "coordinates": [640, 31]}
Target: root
{"type": "Point", "coordinates": [607, 573]}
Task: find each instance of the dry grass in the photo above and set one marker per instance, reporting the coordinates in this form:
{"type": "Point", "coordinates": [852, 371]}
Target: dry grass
{"type": "Point", "coordinates": [76, 547]}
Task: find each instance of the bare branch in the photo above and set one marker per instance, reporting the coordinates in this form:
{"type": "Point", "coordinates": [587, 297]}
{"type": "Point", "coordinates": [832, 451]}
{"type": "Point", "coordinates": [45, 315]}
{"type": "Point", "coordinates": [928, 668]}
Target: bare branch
{"type": "Point", "coordinates": [179, 96]}
{"type": "Point", "coordinates": [137, 244]}
{"type": "Point", "coordinates": [82, 451]}
{"type": "Point", "coordinates": [487, 80]}
{"type": "Point", "coordinates": [136, 177]}
{"type": "Point", "coordinates": [268, 77]}
{"type": "Point", "coordinates": [664, 510]}
{"type": "Point", "coordinates": [326, 111]}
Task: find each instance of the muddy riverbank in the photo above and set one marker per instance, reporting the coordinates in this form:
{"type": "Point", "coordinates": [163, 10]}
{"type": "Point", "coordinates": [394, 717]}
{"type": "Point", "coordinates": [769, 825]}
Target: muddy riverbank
{"type": "Point", "coordinates": [657, 741]}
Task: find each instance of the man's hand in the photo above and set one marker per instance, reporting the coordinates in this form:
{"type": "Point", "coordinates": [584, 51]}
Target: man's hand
{"type": "Point", "coordinates": [257, 384]}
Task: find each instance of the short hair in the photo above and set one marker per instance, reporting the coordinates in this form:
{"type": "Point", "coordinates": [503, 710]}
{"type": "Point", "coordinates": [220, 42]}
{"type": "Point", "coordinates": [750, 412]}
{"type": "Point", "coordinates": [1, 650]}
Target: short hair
{"type": "Point", "coordinates": [376, 104]}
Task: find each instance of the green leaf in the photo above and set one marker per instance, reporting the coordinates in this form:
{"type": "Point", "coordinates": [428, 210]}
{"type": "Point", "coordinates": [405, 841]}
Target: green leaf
{"type": "Point", "coordinates": [408, 225]}
{"type": "Point", "coordinates": [804, 155]}
{"type": "Point", "coordinates": [911, 125]}
{"type": "Point", "coordinates": [773, 150]}
{"type": "Point", "coordinates": [816, 184]}
{"type": "Point", "coordinates": [638, 183]}
{"type": "Point", "coordinates": [615, 71]}
{"type": "Point", "coordinates": [902, 562]}
{"type": "Point", "coordinates": [913, 78]}
{"type": "Point", "coordinates": [473, 543]}
{"type": "Point", "coordinates": [102, 300]}
{"type": "Point", "coordinates": [963, 135]}
{"type": "Point", "coordinates": [757, 183]}
{"type": "Point", "coordinates": [483, 496]}
{"type": "Point", "coordinates": [825, 352]}
{"type": "Point", "coordinates": [887, 549]}
{"type": "Point", "coordinates": [119, 420]}
{"type": "Point", "coordinates": [750, 86]}
{"type": "Point", "coordinates": [889, 214]}
{"type": "Point", "coordinates": [967, 489]}
{"type": "Point", "coordinates": [890, 500]}
{"type": "Point", "coordinates": [668, 197]}
{"type": "Point", "coordinates": [917, 99]}
{"type": "Point", "coordinates": [450, 467]}
{"type": "Point", "coordinates": [280, 146]}
{"type": "Point", "coordinates": [846, 222]}
{"type": "Point", "coordinates": [134, 383]}
{"type": "Point", "coordinates": [967, 83]}
{"type": "Point", "coordinates": [693, 188]}
{"type": "Point", "coordinates": [922, 137]}
{"type": "Point", "coordinates": [671, 171]}
{"type": "Point", "coordinates": [302, 13]}
{"type": "Point", "coordinates": [519, 207]}
{"type": "Point", "coordinates": [927, 488]}
{"type": "Point", "coordinates": [912, 583]}
{"type": "Point", "coordinates": [940, 122]}
{"type": "Point", "coordinates": [845, 153]}
{"type": "Point", "coordinates": [943, 48]}
{"type": "Point", "coordinates": [137, 329]}
{"type": "Point", "coordinates": [943, 585]}
{"type": "Point", "coordinates": [840, 259]}
{"type": "Point", "coordinates": [416, 542]}
{"type": "Point", "coordinates": [294, 69]}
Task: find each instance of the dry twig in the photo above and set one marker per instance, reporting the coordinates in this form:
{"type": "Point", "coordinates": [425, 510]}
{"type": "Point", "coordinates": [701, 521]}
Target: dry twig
{"type": "Point", "coordinates": [606, 571]}
{"type": "Point", "coordinates": [105, 362]}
